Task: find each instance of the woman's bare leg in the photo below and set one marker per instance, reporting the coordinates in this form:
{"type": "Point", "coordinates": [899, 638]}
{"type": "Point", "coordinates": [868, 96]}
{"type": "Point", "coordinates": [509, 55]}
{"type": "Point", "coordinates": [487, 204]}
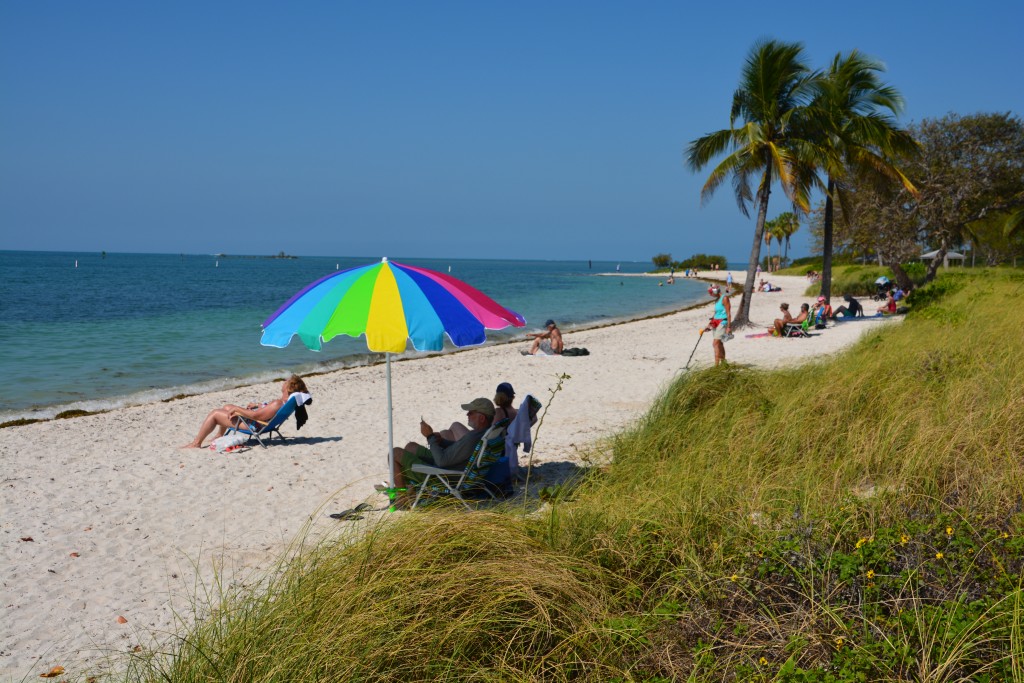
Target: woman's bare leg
{"type": "Point", "coordinates": [455, 432]}
{"type": "Point", "coordinates": [217, 418]}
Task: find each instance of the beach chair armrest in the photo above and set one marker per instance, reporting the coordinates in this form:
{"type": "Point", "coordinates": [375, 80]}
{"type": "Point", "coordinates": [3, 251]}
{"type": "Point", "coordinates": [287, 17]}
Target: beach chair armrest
{"type": "Point", "coordinates": [429, 469]}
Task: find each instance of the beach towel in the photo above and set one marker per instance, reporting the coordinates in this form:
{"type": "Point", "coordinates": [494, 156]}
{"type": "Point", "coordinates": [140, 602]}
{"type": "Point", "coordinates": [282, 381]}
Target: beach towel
{"type": "Point", "coordinates": [301, 401]}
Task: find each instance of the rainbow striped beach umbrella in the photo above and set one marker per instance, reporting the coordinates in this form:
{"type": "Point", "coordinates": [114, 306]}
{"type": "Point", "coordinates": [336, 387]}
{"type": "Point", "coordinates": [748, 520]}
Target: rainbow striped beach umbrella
{"type": "Point", "coordinates": [391, 304]}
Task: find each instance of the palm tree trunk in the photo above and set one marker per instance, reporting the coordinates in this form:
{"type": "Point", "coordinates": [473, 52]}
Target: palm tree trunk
{"type": "Point", "coordinates": [742, 318]}
{"type": "Point", "coordinates": [826, 266]}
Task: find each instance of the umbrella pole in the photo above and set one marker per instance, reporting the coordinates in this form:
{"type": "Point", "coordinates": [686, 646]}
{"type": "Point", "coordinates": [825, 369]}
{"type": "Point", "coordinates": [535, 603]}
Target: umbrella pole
{"type": "Point", "coordinates": [391, 438]}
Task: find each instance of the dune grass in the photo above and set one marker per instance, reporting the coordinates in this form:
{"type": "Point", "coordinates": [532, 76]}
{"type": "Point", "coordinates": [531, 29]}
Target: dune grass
{"type": "Point", "coordinates": [859, 518]}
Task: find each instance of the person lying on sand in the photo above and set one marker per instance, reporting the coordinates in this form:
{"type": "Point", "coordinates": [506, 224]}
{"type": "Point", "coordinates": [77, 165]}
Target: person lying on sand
{"type": "Point", "coordinates": [222, 418]}
{"type": "Point", "coordinates": [450, 448]}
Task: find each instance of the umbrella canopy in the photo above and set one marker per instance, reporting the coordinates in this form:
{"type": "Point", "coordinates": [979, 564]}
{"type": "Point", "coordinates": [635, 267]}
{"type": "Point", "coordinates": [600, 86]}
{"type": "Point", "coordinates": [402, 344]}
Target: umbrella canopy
{"type": "Point", "coordinates": [391, 303]}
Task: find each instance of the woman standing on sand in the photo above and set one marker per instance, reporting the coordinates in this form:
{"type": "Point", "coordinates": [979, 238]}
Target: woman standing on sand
{"type": "Point", "coordinates": [721, 323]}
{"type": "Point", "coordinates": [222, 418]}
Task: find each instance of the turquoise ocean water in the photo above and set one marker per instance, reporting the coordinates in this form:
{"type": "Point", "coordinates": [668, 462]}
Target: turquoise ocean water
{"type": "Point", "coordinates": [120, 329]}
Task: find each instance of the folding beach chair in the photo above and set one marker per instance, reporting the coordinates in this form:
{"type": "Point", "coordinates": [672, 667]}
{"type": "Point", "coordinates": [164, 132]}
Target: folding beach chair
{"type": "Point", "coordinates": [470, 480]}
{"type": "Point", "coordinates": [257, 429]}
{"type": "Point", "coordinates": [796, 329]}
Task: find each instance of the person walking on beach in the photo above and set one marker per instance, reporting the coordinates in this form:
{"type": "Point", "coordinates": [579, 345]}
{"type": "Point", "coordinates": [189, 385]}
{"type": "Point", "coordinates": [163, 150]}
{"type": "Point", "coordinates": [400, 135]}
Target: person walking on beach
{"type": "Point", "coordinates": [222, 418]}
{"type": "Point", "coordinates": [548, 343]}
{"type": "Point", "coordinates": [720, 323]}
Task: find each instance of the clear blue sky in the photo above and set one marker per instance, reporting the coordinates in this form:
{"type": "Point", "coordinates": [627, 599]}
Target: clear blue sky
{"type": "Point", "coordinates": [459, 129]}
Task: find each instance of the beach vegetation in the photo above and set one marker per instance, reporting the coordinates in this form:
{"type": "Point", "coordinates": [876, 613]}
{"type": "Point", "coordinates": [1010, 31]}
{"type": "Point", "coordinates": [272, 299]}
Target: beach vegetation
{"type": "Point", "coordinates": [969, 177]}
{"type": "Point", "coordinates": [662, 260]}
{"type": "Point", "coordinates": [765, 142]}
{"type": "Point", "coordinates": [21, 421]}
{"type": "Point", "coordinates": [858, 518]}
{"type": "Point", "coordinates": [67, 414]}
{"type": "Point", "coordinates": [702, 262]}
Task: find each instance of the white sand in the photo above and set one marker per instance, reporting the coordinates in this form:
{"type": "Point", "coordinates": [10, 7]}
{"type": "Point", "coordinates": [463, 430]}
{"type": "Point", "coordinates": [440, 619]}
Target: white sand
{"type": "Point", "coordinates": [124, 524]}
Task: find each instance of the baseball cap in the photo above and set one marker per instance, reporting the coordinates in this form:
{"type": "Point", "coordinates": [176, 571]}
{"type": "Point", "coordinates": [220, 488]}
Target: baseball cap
{"type": "Point", "coordinates": [480, 405]}
{"type": "Point", "coordinates": [821, 299]}
{"type": "Point", "coordinates": [506, 388]}
{"type": "Point", "coordinates": [549, 323]}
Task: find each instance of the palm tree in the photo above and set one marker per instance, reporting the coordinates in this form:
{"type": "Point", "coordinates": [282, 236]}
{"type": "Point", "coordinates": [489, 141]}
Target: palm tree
{"type": "Point", "coordinates": [788, 225]}
{"type": "Point", "coordinates": [769, 233]}
{"type": "Point", "coordinates": [779, 233]}
{"type": "Point", "coordinates": [775, 87]}
{"type": "Point", "coordinates": [854, 117]}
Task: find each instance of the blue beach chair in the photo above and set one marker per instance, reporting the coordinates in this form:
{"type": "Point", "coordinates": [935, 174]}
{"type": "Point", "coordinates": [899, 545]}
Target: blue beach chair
{"type": "Point", "coordinates": [257, 429]}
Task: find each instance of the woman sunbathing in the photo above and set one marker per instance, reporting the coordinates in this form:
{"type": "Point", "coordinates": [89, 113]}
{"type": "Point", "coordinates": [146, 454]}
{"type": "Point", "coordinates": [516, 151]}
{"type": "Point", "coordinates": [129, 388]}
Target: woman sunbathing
{"type": "Point", "coordinates": [222, 418]}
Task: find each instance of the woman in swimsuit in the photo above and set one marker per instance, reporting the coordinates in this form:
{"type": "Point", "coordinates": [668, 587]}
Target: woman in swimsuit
{"type": "Point", "coordinates": [222, 418]}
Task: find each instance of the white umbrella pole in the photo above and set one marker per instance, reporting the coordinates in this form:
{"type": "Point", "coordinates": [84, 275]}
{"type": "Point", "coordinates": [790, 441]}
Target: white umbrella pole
{"type": "Point", "coordinates": [391, 438]}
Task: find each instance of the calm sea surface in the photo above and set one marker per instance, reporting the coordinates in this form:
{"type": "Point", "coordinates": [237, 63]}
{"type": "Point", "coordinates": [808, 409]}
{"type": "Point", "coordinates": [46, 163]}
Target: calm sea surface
{"type": "Point", "coordinates": [120, 329]}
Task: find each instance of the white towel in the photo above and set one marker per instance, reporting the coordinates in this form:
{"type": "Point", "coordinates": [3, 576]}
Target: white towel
{"type": "Point", "coordinates": [519, 433]}
{"type": "Point", "coordinates": [301, 398]}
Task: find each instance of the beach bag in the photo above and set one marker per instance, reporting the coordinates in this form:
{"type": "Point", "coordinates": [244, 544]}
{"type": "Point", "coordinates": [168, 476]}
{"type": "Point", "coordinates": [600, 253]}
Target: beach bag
{"type": "Point", "coordinates": [575, 352]}
{"type": "Point", "coordinates": [714, 322]}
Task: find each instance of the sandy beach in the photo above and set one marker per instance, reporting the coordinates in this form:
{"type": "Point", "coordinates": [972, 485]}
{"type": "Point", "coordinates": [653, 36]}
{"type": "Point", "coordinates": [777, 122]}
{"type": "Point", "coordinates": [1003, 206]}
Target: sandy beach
{"type": "Point", "coordinates": [109, 527]}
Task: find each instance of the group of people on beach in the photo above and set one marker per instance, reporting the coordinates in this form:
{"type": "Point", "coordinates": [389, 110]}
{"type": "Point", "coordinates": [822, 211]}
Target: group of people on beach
{"type": "Point", "coordinates": [452, 447]}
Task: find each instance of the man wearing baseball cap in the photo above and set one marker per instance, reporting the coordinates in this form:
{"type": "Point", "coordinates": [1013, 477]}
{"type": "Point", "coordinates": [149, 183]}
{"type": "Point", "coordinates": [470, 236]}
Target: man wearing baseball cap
{"type": "Point", "coordinates": [549, 342]}
{"type": "Point", "coordinates": [450, 448]}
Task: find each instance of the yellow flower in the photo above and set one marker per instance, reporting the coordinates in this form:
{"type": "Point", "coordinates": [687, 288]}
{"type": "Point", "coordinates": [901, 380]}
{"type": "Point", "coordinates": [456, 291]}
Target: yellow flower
{"type": "Point", "coordinates": [763, 661]}
{"type": "Point", "coordinates": [734, 578]}
{"type": "Point", "coordinates": [840, 641]}
{"type": "Point", "coordinates": [1004, 535]}
{"type": "Point", "coordinates": [938, 556]}
{"type": "Point", "coordinates": [861, 542]}
{"type": "Point", "coordinates": [970, 551]}
{"type": "Point", "coordinates": [870, 574]}
{"type": "Point", "coordinates": [904, 539]}
{"type": "Point", "coordinates": [871, 585]}
{"type": "Point", "coordinates": [949, 531]}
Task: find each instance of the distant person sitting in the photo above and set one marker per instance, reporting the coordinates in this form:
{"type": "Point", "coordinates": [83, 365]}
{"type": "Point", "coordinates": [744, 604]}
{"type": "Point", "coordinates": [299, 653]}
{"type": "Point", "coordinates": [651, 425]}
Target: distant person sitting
{"type": "Point", "coordinates": [442, 450]}
{"type": "Point", "coordinates": [805, 311]}
{"type": "Point", "coordinates": [821, 313]}
{"type": "Point", "coordinates": [503, 407]}
{"type": "Point", "coordinates": [853, 308]}
{"type": "Point", "coordinates": [546, 343]}
{"type": "Point", "coordinates": [889, 307]}
{"type": "Point", "coordinates": [779, 323]}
